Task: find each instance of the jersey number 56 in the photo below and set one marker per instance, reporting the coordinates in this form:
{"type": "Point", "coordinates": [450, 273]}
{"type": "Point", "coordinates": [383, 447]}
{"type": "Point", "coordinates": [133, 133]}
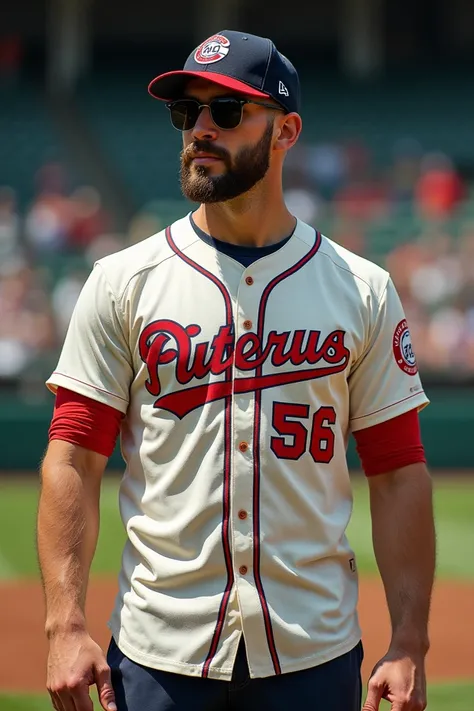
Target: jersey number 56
{"type": "Point", "coordinates": [321, 438]}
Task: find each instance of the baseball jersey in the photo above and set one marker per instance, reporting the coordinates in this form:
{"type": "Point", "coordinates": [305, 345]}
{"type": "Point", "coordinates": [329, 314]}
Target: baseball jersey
{"type": "Point", "coordinates": [239, 387]}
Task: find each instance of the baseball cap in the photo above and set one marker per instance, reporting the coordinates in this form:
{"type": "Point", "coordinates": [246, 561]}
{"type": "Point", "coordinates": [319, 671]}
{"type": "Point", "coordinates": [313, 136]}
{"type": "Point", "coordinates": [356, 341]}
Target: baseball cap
{"type": "Point", "coordinates": [239, 61]}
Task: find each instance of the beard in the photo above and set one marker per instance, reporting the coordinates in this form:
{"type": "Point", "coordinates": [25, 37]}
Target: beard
{"type": "Point", "coordinates": [241, 174]}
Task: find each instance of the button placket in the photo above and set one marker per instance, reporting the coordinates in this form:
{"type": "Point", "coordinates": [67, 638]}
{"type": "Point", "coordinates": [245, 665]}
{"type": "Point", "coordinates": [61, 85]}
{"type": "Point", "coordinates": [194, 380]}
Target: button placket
{"type": "Point", "coordinates": [246, 315]}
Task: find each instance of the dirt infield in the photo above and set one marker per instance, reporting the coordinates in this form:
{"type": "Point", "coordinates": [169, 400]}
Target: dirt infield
{"type": "Point", "coordinates": [23, 648]}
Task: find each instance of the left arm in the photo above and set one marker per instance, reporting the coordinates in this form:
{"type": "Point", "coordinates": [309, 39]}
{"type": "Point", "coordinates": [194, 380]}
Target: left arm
{"type": "Point", "coordinates": [386, 395]}
{"type": "Point", "coordinates": [404, 543]}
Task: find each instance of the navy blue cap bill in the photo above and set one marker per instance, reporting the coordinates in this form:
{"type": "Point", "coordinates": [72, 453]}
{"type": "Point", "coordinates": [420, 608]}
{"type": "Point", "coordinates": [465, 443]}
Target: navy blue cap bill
{"type": "Point", "coordinates": [243, 63]}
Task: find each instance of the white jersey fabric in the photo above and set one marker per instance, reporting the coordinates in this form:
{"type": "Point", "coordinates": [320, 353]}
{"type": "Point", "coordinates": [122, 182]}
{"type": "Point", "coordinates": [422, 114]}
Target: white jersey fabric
{"type": "Point", "coordinates": [240, 387]}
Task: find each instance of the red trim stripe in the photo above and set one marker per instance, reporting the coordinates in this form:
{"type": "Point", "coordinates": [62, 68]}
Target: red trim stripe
{"type": "Point", "coordinates": [227, 462]}
{"type": "Point", "coordinates": [387, 407]}
{"type": "Point", "coordinates": [256, 464]}
{"type": "Point", "coordinates": [83, 382]}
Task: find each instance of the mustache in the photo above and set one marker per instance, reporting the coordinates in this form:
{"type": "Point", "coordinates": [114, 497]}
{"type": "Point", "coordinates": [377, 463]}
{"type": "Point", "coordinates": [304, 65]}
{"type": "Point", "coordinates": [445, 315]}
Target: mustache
{"type": "Point", "coordinates": [190, 152]}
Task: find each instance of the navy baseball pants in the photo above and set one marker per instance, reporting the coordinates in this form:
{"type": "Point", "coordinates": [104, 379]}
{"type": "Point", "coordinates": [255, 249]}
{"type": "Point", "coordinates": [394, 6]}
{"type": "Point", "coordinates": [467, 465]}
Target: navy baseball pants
{"type": "Point", "coordinates": [333, 686]}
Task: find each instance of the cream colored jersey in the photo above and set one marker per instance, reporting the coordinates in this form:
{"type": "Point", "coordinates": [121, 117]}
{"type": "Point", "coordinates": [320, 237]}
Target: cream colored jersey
{"type": "Point", "coordinates": [240, 387]}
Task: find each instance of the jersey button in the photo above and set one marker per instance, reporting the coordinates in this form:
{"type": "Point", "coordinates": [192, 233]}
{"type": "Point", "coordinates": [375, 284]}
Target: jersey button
{"type": "Point", "coordinates": [247, 325]}
{"type": "Point", "coordinates": [243, 570]}
{"type": "Point", "coordinates": [242, 515]}
{"type": "Point", "coordinates": [249, 281]}
{"type": "Point", "coordinates": [243, 446]}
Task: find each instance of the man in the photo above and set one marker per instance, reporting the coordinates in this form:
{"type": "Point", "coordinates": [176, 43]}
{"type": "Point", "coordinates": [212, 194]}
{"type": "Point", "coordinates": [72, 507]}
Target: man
{"type": "Point", "coordinates": [236, 351]}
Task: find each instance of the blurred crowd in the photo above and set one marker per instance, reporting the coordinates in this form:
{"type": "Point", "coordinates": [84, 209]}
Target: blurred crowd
{"type": "Point", "coordinates": [414, 215]}
{"type": "Point", "coordinates": [344, 179]}
{"type": "Point", "coordinates": [48, 247]}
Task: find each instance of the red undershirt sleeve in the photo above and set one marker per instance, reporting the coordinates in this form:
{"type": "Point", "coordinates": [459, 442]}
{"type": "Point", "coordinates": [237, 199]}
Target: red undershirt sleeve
{"type": "Point", "coordinates": [93, 425]}
{"type": "Point", "coordinates": [390, 445]}
{"type": "Point", "coordinates": [83, 421]}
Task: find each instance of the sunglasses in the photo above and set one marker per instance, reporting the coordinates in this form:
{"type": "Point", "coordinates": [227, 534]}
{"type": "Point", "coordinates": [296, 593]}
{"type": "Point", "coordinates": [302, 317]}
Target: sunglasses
{"type": "Point", "coordinates": [225, 112]}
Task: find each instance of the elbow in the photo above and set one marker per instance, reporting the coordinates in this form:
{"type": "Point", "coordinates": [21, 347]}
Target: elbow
{"type": "Point", "coordinates": [413, 476]}
{"type": "Point", "coordinates": [402, 492]}
{"type": "Point", "coordinates": [62, 456]}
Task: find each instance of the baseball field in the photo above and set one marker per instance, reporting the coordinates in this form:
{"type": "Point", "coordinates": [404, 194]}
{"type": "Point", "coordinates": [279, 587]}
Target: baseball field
{"type": "Point", "coordinates": [450, 661]}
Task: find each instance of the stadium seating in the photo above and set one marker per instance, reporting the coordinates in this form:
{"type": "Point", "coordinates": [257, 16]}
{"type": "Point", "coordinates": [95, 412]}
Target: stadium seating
{"type": "Point", "coordinates": [142, 147]}
{"type": "Point", "coordinates": [136, 133]}
{"type": "Point", "coordinates": [29, 139]}
{"type": "Point", "coordinates": [435, 110]}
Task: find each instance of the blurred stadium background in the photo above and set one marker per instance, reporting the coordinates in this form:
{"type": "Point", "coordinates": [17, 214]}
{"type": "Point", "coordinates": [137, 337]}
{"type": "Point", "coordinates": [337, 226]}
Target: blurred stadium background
{"type": "Point", "coordinates": [89, 165]}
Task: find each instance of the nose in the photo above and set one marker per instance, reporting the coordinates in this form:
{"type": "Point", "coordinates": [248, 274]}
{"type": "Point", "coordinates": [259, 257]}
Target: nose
{"type": "Point", "coordinates": [205, 128]}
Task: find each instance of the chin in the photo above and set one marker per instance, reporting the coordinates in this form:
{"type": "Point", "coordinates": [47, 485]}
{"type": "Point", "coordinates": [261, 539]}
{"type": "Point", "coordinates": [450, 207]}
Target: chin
{"type": "Point", "coordinates": [207, 170]}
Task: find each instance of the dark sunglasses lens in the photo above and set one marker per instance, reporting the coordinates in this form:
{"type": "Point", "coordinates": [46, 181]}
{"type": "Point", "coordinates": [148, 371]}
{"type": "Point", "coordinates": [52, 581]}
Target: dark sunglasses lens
{"type": "Point", "coordinates": [184, 114]}
{"type": "Point", "coordinates": [226, 113]}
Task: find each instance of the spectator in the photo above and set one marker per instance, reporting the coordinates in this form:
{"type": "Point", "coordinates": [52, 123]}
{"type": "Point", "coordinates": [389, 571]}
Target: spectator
{"type": "Point", "coordinates": [439, 188]}
{"type": "Point", "coordinates": [439, 277]}
{"type": "Point", "coordinates": [446, 340]}
{"type": "Point", "coordinates": [9, 225]}
{"type": "Point", "coordinates": [304, 204]}
{"type": "Point", "coordinates": [89, 220]}
{"type": "Point", "coordinates": [26, 323]}
{"type": "Point", "coordinates": [63, 299]}
{"type": "Point", "coordinates": [405, 171]}
{"type": "Point", "coordinates": [349, 234]}
{"type": "Point", "coordinates": [48, 222]}
{"type": "Point", "coordinates": [144, 224]}
{"type": "Point", "coordinates": [326, 167]}
{"type": "Point", "coordinates": [102, 246]}
{"type": "Point", "coordinates": [364, 195]}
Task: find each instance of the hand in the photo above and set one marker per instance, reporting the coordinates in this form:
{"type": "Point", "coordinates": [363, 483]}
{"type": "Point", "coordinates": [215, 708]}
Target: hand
{"type": "Point", "coordinates": [75, 662]}
{"type": "Point", "coordinates": [399, 677]}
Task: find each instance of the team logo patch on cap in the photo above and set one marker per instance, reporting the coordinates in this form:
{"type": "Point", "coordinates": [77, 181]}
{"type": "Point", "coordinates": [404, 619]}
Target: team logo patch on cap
{"type": "Point", "coordinates": [212, 50]}
{"type": "Point", "coordinates": [403, 349]}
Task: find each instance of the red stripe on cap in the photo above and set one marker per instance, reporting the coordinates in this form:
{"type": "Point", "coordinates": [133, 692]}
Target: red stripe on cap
{"type": "Point", "coordinates": [213, 77]}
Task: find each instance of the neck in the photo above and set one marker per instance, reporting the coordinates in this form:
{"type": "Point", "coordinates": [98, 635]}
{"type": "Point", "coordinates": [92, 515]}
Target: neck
{"type": "Point", "coordinates": [255, 219]}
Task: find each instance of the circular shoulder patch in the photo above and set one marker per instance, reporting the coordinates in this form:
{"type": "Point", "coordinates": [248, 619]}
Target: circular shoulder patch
{"type": "Point", "coordinates": [403, 349]}
{"type": "Point", "coordinates": [212, 50]}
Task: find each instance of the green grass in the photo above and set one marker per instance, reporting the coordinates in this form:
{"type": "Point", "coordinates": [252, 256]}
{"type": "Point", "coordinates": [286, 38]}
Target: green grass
{"type": "Point", "coordinates": [18, 505]}
{"type": "Point", "coordinates": [454, 507]}
{"type": "Point", "coordinates": [441, 697]}
{"type": "Point", "coordinates": [454, 513]}
{"type": "Point", "coordinates": [36, 702]}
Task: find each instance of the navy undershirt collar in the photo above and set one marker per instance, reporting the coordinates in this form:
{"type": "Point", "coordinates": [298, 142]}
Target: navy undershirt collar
{"type": "Point", "coordinates": [243, 254]}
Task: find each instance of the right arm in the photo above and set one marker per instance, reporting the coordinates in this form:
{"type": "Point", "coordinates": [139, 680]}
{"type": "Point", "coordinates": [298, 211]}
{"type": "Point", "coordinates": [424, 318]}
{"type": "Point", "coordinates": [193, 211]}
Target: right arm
{"type": "Point", "coordinates": [68, 528]}
{"type": "Point", "coordinates": [67, 532]}
{"type": "Point", "coordinates": [97, 364]}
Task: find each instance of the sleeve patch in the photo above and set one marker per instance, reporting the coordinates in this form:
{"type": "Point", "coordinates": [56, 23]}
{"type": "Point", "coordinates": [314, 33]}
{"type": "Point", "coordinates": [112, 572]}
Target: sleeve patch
{"type": "Point", "coordinates": [403, 349]}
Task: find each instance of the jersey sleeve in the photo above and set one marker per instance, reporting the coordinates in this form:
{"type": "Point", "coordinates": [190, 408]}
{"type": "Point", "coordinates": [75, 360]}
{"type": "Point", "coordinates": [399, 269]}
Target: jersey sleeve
{"type": "Point", "coordinates": [385, 382]}
{"type": "Point", "coordinates": [95, 360]}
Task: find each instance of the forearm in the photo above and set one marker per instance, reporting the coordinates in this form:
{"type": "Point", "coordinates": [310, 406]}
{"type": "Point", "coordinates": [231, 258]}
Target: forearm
{"type": "Point", "coordinates": [404, 544]}
{"type": "Point", "coordinates": [68, 526]}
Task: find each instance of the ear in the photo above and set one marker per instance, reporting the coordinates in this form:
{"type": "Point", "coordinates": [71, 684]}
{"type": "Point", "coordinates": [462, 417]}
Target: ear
{"type": "Point", "coordinates": [287, 131]}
